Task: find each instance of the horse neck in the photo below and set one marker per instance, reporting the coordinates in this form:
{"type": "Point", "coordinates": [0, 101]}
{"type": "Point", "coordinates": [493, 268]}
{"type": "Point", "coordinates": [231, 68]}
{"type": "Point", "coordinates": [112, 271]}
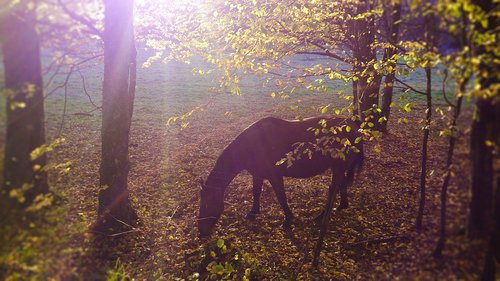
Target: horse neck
{"type": "Point", "coordinates": [224, 171]}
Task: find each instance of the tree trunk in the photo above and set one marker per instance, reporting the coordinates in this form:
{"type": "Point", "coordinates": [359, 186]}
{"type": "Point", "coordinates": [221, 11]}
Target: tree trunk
{"type": "Point", "coordinates": [115, 212]}
{"type": "Point", "coordinates": [25, 109]}
{"type": "Point", "coordinates": [423, 171]}
{"type": "Point", "coordinates": [484, 128]}
{"type": "Point", "coordinates": [368, 83]}
{"type": "Point", "coordinates": [444, 188]}
{"type": "Point", "coordinates": [388, 54]}
{"type": "Point", "coordinates": [493, 253]}
{"type": "Point", "coordinates": [481, 205]}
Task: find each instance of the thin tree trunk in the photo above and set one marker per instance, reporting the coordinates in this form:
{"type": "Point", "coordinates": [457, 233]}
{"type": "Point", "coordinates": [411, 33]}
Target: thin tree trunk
{"type": "Point", "coordinates": [390, 77]}
{"type": "Point", "coordinates": [423, 171]}
{"type": "Point", "coordinates": [115, 212]}
{"type": "Point", "coordinates": [444, 188]}
{"type": "Point", "coordinates": [25, 109]}
{"type": "Point", "coordinates": [332, 194]}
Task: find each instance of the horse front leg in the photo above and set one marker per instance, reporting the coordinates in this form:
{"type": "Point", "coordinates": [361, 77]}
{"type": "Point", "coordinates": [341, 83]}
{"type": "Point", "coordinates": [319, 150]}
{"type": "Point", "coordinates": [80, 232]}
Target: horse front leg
{"type": "Point", "coordinates": [279, 190]}
{"type": "Point", "coordinates": [257, 191]}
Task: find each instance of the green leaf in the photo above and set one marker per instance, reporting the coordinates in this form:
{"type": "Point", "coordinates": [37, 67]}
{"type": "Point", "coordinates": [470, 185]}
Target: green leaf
{"type": "Point", "coordinates": [324, 109]}
{"type": "Point", "coordinates": [407, 107]}
{"type": "Point", "coordinates": [220, 243]}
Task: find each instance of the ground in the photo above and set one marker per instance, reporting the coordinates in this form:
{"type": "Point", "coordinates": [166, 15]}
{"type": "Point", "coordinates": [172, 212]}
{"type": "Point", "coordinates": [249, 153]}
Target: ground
{"type": "Point", "coordinates": [374, 239]}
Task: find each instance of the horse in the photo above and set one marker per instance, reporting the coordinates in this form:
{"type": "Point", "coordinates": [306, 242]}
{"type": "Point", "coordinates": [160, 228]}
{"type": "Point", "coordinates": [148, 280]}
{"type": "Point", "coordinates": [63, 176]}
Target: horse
{"type": "Point", "coordinates": [273, 148]}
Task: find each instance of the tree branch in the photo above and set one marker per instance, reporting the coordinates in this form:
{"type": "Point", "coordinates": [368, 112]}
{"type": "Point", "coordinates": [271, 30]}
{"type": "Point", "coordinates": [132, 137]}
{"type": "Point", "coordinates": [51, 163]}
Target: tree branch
{"type": "Point", "coordinates": [409, 87]}
{"type": "Point", "coordinates": [88, 23]}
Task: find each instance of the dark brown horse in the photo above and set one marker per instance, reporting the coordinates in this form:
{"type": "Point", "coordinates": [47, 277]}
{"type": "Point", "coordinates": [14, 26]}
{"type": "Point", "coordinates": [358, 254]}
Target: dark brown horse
{"type": "Point", "coordinates": [271, 149]}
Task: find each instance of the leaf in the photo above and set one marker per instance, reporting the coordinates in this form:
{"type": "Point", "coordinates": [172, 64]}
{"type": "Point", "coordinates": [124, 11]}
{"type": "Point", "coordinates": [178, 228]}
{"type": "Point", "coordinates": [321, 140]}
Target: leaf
{"type": "Point", "coordinates": [220, 243]}
{"type": "Point", "coordinates": [348, 129]}
{"type": "Point", "coordinates": [407, 107]}
{"type": "Point", "coordinates": [324, 109]}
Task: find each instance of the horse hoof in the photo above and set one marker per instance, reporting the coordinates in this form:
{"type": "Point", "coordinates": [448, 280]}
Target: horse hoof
{"type": "Point", "coordinates": [251, 216]}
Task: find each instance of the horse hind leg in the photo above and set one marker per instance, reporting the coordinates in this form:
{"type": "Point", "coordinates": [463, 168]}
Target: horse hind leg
{"type": "Point", "coordinates": [347, 181]}
{"type": "Point", "coordinates": [257, 191]}
{"type": "Point", "coordinates": [344, 203]}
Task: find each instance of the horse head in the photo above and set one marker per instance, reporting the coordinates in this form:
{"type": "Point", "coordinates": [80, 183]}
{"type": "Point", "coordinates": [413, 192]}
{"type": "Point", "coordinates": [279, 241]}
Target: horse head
{"type": "Point", "coordinates": [211, 207]}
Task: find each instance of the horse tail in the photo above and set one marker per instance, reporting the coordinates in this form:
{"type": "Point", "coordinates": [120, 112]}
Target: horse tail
{"type": "Point", "coordinates": [356, 166]}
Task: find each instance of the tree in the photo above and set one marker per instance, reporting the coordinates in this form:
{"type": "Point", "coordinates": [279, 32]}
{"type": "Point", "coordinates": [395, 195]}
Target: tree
{"type": "Point", "coordinates": [430, 44]}
{"type": "Point", "coordinates": [24, 176]}
{"type": "Point", "coordinates": [485, 130]}
{"type": "Point", "coordinates": [115, 212]}
{"type": "Point", "coordinates": [366, 81]}
{"type": "Point", "coordinates": [392, 17]}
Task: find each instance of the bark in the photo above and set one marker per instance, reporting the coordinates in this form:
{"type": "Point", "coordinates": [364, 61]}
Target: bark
{"type": "Point", "coordinates": [364, 83]}
{"type": "Point", "coordinates": [484, 128]}
{"type": "Point", "coordinates": [115, 213]}
{"type": "Point", "coordinates": [423, 171]}
{"type": "Point", "coordinates": [25, 108]}
{"type": "Point", "coordinates": [368, 83]}
{"type": "Point", "coordinates": [388, 53]}
{"type": "Point", "coordinates": [481, 204]}
{"type": "Point", "coordinates": [493, 252]}
{"type": "Point", "coordinates": [444, 188]}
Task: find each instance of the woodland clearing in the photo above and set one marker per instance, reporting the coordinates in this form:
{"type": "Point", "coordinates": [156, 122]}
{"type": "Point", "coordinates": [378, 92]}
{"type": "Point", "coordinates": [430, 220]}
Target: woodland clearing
{"type": "Point", "coordinates": [374, 239]}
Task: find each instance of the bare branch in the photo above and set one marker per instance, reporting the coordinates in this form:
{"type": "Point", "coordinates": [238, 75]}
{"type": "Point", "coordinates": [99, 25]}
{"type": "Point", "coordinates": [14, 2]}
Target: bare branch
{"type": "Point", "coordinates": [81, 19]}
{"type": "Point", "coordinates": [409, 87]}
{"type": "Point", "coordinates": [86, 92]}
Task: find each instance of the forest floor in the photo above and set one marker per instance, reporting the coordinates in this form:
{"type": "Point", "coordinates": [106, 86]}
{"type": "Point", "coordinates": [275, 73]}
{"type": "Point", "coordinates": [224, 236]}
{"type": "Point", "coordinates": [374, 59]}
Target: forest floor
{"type": "Point", "coordinates": [374, 239]}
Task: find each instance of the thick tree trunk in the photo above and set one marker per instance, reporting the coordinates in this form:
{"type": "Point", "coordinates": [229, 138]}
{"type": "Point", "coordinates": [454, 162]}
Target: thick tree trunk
{"type": "Point", "coordinates": [493, 253]}
{"type": "Point", "coordinates": [115, 212]}
{"type": "Point", "coordinates": [25, 110]}
{"type": "Point", "coordinates": [368, 80]}
{"type": "Point", "coordinates": [388, 54]}
{"type": "Point", "coordinates": [484, 128]}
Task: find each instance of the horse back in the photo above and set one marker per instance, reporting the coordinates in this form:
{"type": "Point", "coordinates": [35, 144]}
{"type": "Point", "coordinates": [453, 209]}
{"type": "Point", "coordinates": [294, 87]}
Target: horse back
{"type": "Point", "coordinates": [269, 141]}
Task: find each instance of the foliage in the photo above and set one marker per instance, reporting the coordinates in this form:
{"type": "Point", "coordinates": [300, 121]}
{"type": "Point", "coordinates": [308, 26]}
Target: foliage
{"type": "Point", "coordinates": [118, 273]}
{"type": "Point", "coordinates": [32, 245]}
{"type": "Point", "coordinates": [223, 259]}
